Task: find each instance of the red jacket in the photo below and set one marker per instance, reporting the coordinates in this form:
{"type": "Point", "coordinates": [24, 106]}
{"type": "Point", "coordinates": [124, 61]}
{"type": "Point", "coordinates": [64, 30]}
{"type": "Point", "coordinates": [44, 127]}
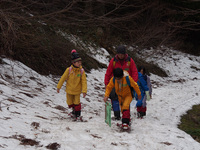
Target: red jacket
{"type": "Point", "coordinates": [126, 64]}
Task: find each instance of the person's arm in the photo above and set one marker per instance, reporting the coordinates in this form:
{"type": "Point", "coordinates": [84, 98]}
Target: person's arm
{"type": "Point", "coordinates": [144, 86]}
{"type": "Point", "coordinates": [109, 88]}
{"type": "Point", "coordinates": [62, 79]}
{"type": "Point", "coordinates": [136, 87]}
{"type": "Point", "coordinates": [109, 72]}
{"type": "Point", "coordinates": [84, 84]}
{"type": "Point", "coordinates": [133, 70]}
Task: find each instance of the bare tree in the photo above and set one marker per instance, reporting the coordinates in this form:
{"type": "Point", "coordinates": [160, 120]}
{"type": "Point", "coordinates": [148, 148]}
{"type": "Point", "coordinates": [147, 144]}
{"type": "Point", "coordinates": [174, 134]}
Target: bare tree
{"type": "Point", "coordinates": [141, 22]}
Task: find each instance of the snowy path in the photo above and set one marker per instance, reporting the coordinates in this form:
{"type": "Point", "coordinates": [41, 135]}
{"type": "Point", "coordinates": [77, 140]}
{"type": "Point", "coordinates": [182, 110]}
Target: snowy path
{"type": "Point", "coordinates": [32, 111]}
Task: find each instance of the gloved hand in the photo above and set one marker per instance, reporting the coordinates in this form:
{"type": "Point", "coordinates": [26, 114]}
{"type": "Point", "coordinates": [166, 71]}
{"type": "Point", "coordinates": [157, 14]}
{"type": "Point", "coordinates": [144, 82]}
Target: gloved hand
{"type": "Point", "coordinates": [139, 103]}
{"type": "Point", "coordinates": [147, 95]}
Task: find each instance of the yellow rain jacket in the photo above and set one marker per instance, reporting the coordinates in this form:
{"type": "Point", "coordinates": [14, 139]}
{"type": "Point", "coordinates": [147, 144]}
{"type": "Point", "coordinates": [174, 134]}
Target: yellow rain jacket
{"type": "Point", "coordinates": [76, 83]}
{"type": "Point", "coordinates": [123, 91]}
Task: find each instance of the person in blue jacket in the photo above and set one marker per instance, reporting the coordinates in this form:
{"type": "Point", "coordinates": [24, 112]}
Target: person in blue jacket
{"type": "Point", "coordinates": [144, 84]}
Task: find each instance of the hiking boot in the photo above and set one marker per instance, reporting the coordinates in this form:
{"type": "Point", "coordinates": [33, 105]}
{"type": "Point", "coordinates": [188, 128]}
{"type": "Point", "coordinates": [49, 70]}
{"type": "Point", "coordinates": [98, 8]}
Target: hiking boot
{"type": "Point", "coordinates": [117, 115]}
{"type": "Point", "coordinates": [79, 118]}
{"type": "Point", "coordinates": [141, 114]}
{"type": "Point", "coordinates": [118, 118]}
{"type": "Point", "coordinates": [125, 126]}
{"type": "Point", "coordinates": [73, 112]}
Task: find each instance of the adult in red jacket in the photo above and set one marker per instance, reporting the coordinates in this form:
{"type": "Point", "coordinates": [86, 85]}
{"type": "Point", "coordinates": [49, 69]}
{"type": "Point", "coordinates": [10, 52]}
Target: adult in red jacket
{"type": "Point", "coordinates": [125, 62]}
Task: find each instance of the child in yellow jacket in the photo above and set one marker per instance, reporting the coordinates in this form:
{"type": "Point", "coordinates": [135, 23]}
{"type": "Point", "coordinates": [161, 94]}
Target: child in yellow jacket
{"type": "Point", "coordinates": [76, 83]}
{"type": "Point", "coordinates": [123, 91]}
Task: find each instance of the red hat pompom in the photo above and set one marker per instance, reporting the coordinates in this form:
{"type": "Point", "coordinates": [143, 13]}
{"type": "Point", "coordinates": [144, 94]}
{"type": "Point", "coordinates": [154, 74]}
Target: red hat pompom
{"type": "Point", "coordinates": [73, 51]}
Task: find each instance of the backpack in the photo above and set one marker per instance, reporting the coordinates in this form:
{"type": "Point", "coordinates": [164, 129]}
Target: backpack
{"type": "Point", "coordinates": [70, 70]}
{"type": "Point", "coordinates": [128, 59]}
{"type": "Point", "coordinates": [129, 84]}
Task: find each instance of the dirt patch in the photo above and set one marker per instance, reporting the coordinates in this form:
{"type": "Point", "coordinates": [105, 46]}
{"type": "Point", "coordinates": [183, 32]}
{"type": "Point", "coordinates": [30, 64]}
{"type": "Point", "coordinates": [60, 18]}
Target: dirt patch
{"type": "Point", "coordinates": [53, 146]}
{"type": "Point", "coordinates": [12, 100]}
{"type": "Point", "coordinates": [27, 94]}
{"type": "Point", "coordinates": [60, 108]}
{"type": "Point", "coordinates": [179, 81]}
{"type": "Point", "coordinates": [29, 142]}
{"type": "Point", "coordinates": [115, 144]}
{"type": "Point", "coordinates": [24, 140]}
{"type": "Point", "coordinates": [96, 136]}
{"type": "Point", "coordinates": [42, 117]}
{"type": "Point", "coordinates": [166, 143]}
{"type": "Point", "coordinates": [36, 125]}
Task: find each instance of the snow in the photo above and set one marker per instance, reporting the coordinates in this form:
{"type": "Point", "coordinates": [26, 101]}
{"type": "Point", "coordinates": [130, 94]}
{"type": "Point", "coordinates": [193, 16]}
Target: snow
{"type": "Point", "coordinates": [31, 109]}
{"type": "Point", "coordinates": [100, 54]}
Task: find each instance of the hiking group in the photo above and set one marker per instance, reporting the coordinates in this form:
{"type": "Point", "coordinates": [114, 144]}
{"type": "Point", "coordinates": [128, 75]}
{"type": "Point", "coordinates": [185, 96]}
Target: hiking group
{"type": "Point", "coordinates": [123, 82]}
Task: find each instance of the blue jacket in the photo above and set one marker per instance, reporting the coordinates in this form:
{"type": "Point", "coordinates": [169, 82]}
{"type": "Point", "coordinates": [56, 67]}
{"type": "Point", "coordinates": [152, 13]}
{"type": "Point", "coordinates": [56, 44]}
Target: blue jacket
{"type": "Point", "coordinates": [142, 83]}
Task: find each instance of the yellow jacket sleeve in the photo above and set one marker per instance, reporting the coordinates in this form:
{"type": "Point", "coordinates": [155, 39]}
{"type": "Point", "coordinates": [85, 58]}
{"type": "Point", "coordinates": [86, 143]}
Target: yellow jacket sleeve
{"type": "Point", "coordinates": [63, 78]}
{"type": "Point", "coordinates": [84, 82]}
{"type": "Point", "coordinates": [109, 87]}
{"type": "Point", "coordinates": [135, 85]}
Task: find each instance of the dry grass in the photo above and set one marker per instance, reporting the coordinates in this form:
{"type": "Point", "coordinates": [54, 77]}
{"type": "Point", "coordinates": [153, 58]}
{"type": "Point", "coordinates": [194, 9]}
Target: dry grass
{"type": "Point", "coordinates": [190, 122]}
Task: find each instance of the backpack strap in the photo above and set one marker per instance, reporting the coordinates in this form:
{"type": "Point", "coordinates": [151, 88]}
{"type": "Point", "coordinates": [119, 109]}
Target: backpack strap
{"type": "Point", "coordinates": [129, 84]}
{"type": "Point", "coordinates": [128, 81]}
{"type": "Point", "coordinates": [82, 70]}
{"type": "Point", "coordinates": [128, 60]}
{"type": "Point", "coordinates": [113, 80]}
{"type": "Point", "coordinates": [114, 62]}
{"type": "Point", "coordinates": [70, 70]}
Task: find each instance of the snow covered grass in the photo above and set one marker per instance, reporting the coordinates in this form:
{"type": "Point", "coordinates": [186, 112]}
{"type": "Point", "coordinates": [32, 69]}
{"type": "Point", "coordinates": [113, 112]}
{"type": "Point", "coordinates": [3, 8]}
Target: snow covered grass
{"type": "Point", "coordinates": [34, 116]}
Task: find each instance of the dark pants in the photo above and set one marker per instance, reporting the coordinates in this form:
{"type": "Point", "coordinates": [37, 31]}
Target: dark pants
{"type": "Point", "coordinates": [115, 103]}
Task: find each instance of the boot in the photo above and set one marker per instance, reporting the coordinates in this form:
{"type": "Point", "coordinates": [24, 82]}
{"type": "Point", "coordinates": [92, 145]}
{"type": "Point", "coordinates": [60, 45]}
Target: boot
{"type": "Point", "coordinates": [125, 126]}
{"type": "Point", "coordinates": [77, 113]}
{"type": "Point", "coordinates": [117, 115]}
{"type": "Point", "coordinates": [126, 117]}
{"type": "Point", "coordinates": [72, 114]}
{"type": "Point", "coordinates": [141, 114]}
{"type": "Point", "coordinates": [77, 109]}
{"type": "Point", "coordinates": [73, 111]}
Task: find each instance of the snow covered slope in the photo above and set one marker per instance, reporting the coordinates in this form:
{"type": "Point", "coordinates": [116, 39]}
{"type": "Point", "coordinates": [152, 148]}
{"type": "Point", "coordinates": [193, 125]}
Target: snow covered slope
{"type": "Point", "coordinates": [34, 116]}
